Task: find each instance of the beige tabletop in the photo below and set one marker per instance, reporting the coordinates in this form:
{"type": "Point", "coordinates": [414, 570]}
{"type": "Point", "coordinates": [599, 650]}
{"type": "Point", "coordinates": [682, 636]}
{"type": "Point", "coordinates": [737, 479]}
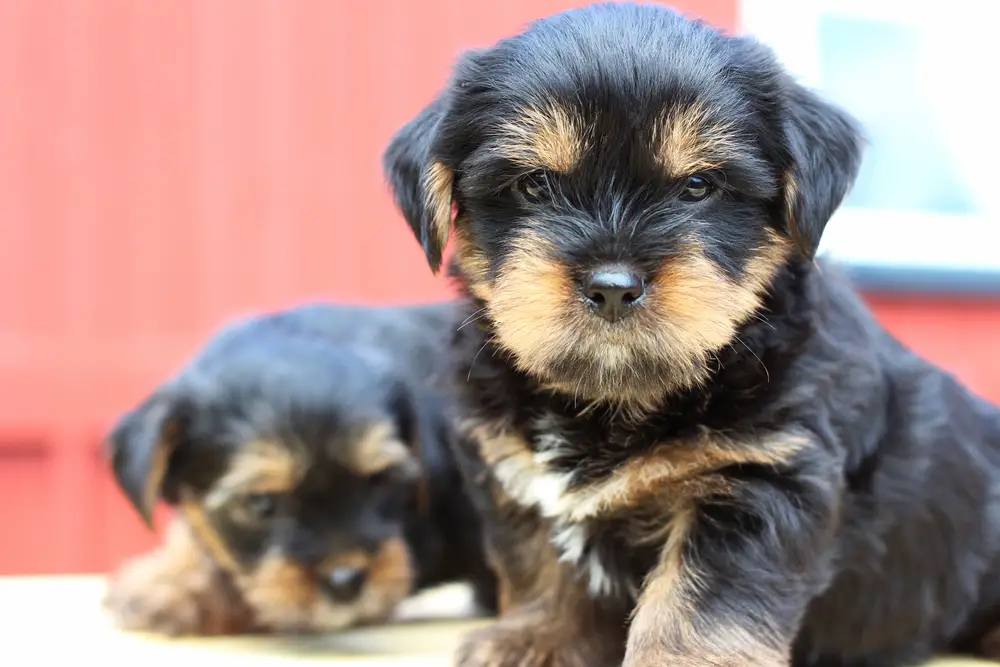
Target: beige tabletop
{"type": "Point", "coordinates": [47, 618]}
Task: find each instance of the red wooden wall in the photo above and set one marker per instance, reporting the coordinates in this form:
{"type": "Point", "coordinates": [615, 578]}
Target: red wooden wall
{"type": "Point", "coordinates": [167, 164]}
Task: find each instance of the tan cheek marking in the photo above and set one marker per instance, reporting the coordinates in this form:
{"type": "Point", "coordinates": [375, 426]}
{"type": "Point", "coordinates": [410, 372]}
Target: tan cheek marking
{"type": "Point", "coordinates": [550, 137]}
{"type": "Point", "coordinates": [533, 305]}
{"type": "Point", "coordinates": [390, 581]}
{"type": "Point", "coordinates": [473, 266]}
{"type": "Point", "coordinates": [700, 305]}
{"type": "Point", "coordinates": [280, 584]}
{"type": "Point", "coordinates": [392, 565]}
{"type": "Point", "coordinates": [687, 141]}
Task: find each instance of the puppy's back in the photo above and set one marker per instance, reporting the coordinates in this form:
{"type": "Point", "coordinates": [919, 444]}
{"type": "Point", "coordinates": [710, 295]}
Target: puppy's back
{"type": "Point", "coordinates": [411, 338]}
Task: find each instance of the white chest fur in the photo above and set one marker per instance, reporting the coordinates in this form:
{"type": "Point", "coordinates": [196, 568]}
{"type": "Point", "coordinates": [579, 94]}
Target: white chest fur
{"type": "Point", "coordinates": [528, 478]}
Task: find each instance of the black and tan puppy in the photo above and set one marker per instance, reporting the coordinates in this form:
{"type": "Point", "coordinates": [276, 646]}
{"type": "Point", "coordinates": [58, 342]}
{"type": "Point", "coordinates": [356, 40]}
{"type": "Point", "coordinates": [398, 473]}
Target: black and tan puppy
{"type": "Point", "coordinates": [308, 456]}
{"type": "Point", "coordinates": [695, 444]}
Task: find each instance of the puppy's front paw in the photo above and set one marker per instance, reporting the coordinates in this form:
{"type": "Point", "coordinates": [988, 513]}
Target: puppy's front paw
{"type": "Point", "coordinates": [526, 645]}
{"type": "Point", "coordinates": [157, 594]}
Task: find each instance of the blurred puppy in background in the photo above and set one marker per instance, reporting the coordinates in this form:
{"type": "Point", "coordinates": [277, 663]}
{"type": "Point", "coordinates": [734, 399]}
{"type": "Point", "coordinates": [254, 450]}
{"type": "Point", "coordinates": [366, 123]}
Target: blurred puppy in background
{"type": "Point", "coordinates": [308, 457]}
{"type": "Point", "coordinates": [693, 444]}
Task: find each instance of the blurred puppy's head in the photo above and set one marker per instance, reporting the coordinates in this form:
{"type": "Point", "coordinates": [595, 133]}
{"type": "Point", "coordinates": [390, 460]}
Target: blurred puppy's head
{"type": "Point", "coordinates": [293, 462]}
{"type": "Point", "coordinates": [621, 185]}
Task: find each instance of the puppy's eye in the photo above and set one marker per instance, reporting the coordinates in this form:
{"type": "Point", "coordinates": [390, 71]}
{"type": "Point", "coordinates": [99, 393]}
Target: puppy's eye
{"type": "Point", "coordinates": [532, 188]}
{"type": "Point", "coordinates": [696, 189]}
{"type": "Point", "coordinates": [261, 506]}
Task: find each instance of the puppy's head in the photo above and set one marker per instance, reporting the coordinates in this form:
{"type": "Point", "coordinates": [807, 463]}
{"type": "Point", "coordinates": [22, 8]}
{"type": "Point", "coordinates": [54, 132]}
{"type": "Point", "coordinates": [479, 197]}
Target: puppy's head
{"type": "Point", "coordinates": [621, 185]}
{"type": "Point", "coordinates": [294, 464]}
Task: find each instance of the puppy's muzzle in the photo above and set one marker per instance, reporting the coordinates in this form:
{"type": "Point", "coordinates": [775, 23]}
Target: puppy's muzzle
{"type": "Point", "coordinates": [613, 291]}
{"type": "Point", "coordinates": [344, 584]}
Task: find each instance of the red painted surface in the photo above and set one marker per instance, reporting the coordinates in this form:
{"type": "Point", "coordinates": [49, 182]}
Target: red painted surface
{"type": "Point", "coordinates": [167, 164]}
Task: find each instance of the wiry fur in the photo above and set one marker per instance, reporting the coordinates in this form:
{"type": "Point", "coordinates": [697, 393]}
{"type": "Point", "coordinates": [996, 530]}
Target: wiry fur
{"type": "Point", "coordinates": [331, 415]}
{"type": "Point", "coordinates": [745, 470]}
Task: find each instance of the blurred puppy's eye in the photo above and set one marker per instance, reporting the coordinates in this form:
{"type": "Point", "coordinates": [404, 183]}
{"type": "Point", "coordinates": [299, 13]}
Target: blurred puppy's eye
{"type": "Point", "coordinates": [532, 188]}
{"type": "Point", "coordinates": [696, 189]}
{"type": "Point", "coordinates": [261, 506]}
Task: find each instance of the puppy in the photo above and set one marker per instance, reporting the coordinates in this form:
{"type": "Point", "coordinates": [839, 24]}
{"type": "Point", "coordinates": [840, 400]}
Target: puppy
{"type": "Point", "coordinates": [692, 443]}
{"type": "Point", "coordinates": [308, 455]}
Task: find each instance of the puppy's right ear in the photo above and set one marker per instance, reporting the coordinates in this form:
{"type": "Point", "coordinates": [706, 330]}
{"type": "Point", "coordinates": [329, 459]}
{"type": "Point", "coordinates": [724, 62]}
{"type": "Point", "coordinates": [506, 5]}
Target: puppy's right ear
{"type": "Point", "coordinates": [422, 186]}
{"type": "Point", "coordinates": [143, 444]}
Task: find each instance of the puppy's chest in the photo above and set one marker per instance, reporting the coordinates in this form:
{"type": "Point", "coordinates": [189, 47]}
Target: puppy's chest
{"type": "Point", "coordinates": [591, 489]}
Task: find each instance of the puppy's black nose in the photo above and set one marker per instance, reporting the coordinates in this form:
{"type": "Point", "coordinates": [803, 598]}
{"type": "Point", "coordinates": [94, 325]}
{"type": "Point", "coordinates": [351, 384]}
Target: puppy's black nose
{"type": "Point", "coordinates": [612, 291]}
{"type": "Point", "coordinates": [344, 584]}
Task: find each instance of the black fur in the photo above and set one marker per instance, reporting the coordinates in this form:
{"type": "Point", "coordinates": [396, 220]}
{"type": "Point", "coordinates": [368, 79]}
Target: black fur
{"type": "Point", "coordinates": [314, 377]}
{"type": "Point", "coordinates": [876, 545]}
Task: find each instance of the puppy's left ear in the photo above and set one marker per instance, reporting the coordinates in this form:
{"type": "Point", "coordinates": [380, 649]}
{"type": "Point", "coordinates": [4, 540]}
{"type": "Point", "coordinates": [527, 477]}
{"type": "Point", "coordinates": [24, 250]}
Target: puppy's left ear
{"type": "Point", "coordinates": [422, 186]}
{"type": "Point", "coordinates": [825, 146]}
{"type": "Point", "coordinates": [142, 444]}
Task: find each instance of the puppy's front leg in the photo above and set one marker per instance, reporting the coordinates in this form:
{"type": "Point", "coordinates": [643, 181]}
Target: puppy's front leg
{"type": "Point", "coordinates": [546, 616]}
{"type": "Point", "coordinates": [177, 590]}
{"type": "Point", "coordinates": [735, 577]}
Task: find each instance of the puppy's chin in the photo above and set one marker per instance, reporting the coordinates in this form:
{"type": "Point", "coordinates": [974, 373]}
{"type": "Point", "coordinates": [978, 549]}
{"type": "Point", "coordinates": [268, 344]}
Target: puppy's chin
{"type": "Point", "coordinates": [690, 311]}
{"type": "Point", "coordinates": [620, 378]}
{"type": "Point", "coordinates": [288, 597]}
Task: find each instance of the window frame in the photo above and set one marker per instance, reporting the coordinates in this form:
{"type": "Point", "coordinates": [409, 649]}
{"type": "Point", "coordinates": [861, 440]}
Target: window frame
{"type": "Point", "coordinates": [866, 240]}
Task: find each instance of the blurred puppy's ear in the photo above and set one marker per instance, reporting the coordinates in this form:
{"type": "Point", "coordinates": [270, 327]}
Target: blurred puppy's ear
{"type": "Point", "coordinates": [143, 444]}
{"type": "Point", "coordinates": [421, 185]}
{"type": "Point", "coordinates": [825, 146]}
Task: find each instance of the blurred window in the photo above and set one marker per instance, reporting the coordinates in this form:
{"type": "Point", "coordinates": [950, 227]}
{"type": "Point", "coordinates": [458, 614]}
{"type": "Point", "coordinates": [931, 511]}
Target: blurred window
{"type": "Point", "coordinates": [920, 78]}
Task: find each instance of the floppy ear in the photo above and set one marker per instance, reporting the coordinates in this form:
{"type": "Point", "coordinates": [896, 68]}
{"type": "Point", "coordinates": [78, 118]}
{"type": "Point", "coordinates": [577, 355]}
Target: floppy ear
{"type": "Point", "coordinates": [421, 186]}
{"type": "Point", "coordinates": [825, 147]}
{"type": "Point", "coordinates": [143, 444]}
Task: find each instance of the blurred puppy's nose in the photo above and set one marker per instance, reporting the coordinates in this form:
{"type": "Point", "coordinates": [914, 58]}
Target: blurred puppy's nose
{"type": "Point", "coordinates": [612, 291]}
{"type": "Point", "coordinates": [344, 584]}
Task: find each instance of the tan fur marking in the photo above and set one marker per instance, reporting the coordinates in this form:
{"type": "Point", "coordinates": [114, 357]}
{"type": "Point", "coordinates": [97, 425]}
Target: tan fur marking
{"type": "Point", "coordinates": [692, 309]}
{"type": "Point", "coordinates": [674, 471]}
{"type": "Point", "coordinates": [686, 141]}
{"type": "Point", "coordinates": [663, 632]}
{"type": "Point", "coordinates": [263, 466]}
{"type": "Point", "coordinates": [176, 589]}
{"type": "Point", "coordinates": [551, 137]}
{"type": "Point", "coordinates": [279, 583]}
{"type": "Point", "coordinates": [473, 266]}
{"type": "Point", "coordinates": [692, 296]}
{"type": "Point", "coordinates": [532, 305]}
{"type": "Point", "coordinates": [658, 472]}
{"type": "Point", "coordinates": [792, 195]}
{"type": "Point", "coordinates": [390, 580]}
{"type": "Point", "coordinates": [378, 450]}
{"type": "Point", "coordinates": [161, 462]}
{"type": "Point", "coordinates": [202, 529]}
{"type": "Point", "coordinates": [287, 594]}
{"type": "Point", "coordinates": [438, 182]}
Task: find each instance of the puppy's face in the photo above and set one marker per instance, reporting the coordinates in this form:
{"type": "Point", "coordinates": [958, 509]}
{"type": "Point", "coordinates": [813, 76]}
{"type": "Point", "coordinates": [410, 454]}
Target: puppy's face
{"type": "Point", "coordinates": [294, 468]}
{"type": "Point", "coordinates": [622, 186]}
